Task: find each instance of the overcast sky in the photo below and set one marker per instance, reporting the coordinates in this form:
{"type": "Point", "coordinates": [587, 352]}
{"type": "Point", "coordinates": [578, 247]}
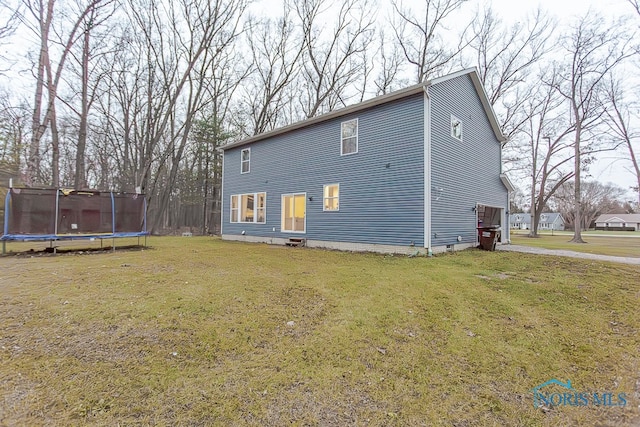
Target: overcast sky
{"type": "Point", "coordinates": [608, 169]}
{"type": "Point", "coordinates": [562, 8]}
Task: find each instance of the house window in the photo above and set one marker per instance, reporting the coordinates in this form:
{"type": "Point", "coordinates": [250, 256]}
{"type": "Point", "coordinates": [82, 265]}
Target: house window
{"type": "Point", "coordinates": [261, 208]}
{"type": "Point", "coordinates": [331, 197]}
{"type": "Point", "coordinates": [245, 160]}
{"type": "Point", "coordinates": [294, 208]}
{"type": "Point", "coordinates": [456, 128]}
{"type": "Point", "coordinates": [249, 208]}
{"type": "Point", "coordinates": [234, 208]}
{"type": "Point", "coordinates": [349, 140]}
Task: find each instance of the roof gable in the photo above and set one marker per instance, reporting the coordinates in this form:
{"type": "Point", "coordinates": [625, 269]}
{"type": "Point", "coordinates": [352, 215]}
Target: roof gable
{"type": "Point", "coordinates": [383, 99]}
{"type": "Point", "coordinates": [619, 218]}
{"type": "Point", "coordinates": [545, 217]}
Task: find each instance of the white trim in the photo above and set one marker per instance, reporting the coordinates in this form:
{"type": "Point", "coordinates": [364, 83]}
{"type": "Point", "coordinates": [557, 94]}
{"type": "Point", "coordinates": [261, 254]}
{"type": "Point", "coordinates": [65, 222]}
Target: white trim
{"type": "Point", "coordinates": [488, 108]}
{"type": "Point", "coordinates": [342, 153]}
{"type": "Point", "coordinates": [282, 196]}
{"type": "Point", "coordinates": [231, 221]}
{"type": "Point", "coordinates": [222, 197]}
{"type": "Point", "coordinates": [504, 221]}
{"type": "Point", "coordinates": [427, 170]}
{"type": "Point", "coordinates": [242, 161]}
{"type": "Point", "coordinates": [338, 198]}
{"type": "Point", "coordinates": [265, 207]}
{"type": "Point", "coordinates": [505, 179]}
{"type": "Point", "coordinates": [255, 208]}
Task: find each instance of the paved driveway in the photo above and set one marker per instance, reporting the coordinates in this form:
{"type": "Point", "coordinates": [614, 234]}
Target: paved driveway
{"type": "Point", "coordinates": [558, 252]}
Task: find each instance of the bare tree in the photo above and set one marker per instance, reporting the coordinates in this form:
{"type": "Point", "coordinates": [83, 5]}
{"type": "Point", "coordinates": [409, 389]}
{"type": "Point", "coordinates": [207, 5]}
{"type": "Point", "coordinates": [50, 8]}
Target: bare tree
{"type": "Point", "coordinates": [14, 121]}
{"type": "Point", "coordinates": [390, 64]}
{"type": "Point", "coordinates": [276, 48]}
{"type": "Point", "coordinates": [505, 55]}
{"type": "Point", "coordinates": [333, 61]}
{"type": "Point", "coordinates": [543, 138]}
{"type": "Point", "coordinates": [619, 122]}
{"type": "Point", "coordinates": [597, 199]}
{"type": "Point", "coordinates": [82, 80]}
{"type": "Point", "coordinates": [8, 26]}
{"type": "Point", "coordinates": [48, 74]}
{"type": "Point", "coordinates": [181, 45]}
{"type": "Point", "coordinates": [592, 50]}
{"type": "Point", "coordinates": [420, 37]}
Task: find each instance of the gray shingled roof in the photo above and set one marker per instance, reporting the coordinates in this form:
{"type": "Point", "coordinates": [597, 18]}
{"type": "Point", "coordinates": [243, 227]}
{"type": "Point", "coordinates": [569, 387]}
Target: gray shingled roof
{"type": "Point", "coordinates": [630, 218]}
{"type": "Point", "coordinates": [550, 217]}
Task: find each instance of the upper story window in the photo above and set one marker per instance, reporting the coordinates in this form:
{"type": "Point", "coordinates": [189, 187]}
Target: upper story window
{"type": "Point", "coordinates": [331, 198]}
{"type": "Point", "coordinates": [245, 160]}
{"type": "Point", "coordinates": [456, 128]}
{"type": "Point", "coordinates": [349, 140]}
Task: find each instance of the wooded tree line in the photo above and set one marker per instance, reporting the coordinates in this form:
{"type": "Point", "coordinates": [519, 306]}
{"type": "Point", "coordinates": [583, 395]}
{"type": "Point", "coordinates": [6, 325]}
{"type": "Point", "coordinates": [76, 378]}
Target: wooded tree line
{"type": "Point", "coordinates": [137, 95]}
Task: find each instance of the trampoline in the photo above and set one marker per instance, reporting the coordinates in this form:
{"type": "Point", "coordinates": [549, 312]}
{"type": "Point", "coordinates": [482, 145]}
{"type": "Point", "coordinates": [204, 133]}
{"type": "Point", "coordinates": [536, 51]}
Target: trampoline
{"type": "Point", "coordinates": [46, 214]}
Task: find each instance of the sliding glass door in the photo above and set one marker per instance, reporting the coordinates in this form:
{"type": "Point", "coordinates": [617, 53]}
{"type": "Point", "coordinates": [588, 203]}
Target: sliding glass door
{"type": "Point", "coordinates": [294, 210]}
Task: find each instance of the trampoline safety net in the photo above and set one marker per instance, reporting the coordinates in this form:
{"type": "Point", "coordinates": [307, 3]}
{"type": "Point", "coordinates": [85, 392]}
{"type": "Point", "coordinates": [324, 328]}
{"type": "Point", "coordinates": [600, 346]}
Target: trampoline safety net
{"type": "Point", "coordinates": [32, 213]}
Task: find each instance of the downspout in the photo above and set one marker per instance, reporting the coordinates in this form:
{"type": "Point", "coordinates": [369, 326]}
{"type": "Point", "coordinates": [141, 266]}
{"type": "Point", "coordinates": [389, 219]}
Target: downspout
{"type": "Point", "coordinates": [506, 213]}
{"type": "Point", "coordinates": [427, 170]}
{"type": "Point", "coordinates": [222, 192]}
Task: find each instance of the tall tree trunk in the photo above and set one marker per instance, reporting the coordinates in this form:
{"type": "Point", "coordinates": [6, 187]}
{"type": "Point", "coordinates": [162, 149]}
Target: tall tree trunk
{"type": "Point", "coordinates": [533, 231]}
{"type": "Point", "coordinates": [81, 181]}
{"type": "Point", "coordinates": [38, 128]}
{"type": "Point", "coordinates": [55, 150]}
{"type": "Point", "coordinates": [577, 226]}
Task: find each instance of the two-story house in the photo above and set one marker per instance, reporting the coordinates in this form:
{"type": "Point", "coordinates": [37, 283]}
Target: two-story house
{"type": "Point", "coordinates": [415, 170]}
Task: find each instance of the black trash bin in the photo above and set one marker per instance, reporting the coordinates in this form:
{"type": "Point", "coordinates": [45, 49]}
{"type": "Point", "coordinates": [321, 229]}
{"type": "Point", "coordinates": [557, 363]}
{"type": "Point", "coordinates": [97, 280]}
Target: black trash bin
{"type": "Point", "coordinates": [488, 237]}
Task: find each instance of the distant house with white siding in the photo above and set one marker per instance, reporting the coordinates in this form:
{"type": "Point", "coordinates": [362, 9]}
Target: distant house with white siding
{"type": "Point", "coordinates": [618, 222]}
{"type": "Point", "coordinates": [548, 221]}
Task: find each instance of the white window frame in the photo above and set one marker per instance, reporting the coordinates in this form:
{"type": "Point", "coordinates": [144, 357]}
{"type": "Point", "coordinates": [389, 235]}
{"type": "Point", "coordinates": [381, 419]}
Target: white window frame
{"type": "Point", "coordinates": [325, 198]}
{"type": "Point", "coordinates": [232, 209]}
{"type": "Point", "coordinates": [454, 120]}
{"type": "Point", "coordinates": [342, 138]}
{"type": "Point", "coordinates": [282, 205]}
{"type": "Point", "coordinates": [243, 161]}
{"type": "Point", "coordinates": [238, 208]}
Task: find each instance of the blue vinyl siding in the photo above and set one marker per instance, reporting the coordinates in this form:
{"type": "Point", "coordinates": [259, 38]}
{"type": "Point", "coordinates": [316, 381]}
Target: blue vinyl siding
{"type": "Point", "coordinates": [381, 187]}
{"type": "Point", "coordinates": [467, 171]}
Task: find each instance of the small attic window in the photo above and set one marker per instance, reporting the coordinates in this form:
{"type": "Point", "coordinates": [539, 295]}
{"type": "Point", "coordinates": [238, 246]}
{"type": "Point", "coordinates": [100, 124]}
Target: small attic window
{"type": "Point", "coordinates": [456, 128]}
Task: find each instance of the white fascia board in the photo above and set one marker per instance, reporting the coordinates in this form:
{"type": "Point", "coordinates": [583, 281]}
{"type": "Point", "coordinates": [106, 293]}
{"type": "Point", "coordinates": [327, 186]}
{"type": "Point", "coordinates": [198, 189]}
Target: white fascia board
{"type": "Point", "coordinates": [507, 183]}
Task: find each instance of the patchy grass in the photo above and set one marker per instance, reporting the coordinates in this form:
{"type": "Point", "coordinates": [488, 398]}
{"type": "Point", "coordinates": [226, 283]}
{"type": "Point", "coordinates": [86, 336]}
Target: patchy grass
{"type": "Point", "coordinates": [616, 246]}
{"type": "Point", "coordinates": [584, 233]}
{"type": "Point", "coordinates": [202, 332]}
{"type": "Point", "coordinates": [18, 248]}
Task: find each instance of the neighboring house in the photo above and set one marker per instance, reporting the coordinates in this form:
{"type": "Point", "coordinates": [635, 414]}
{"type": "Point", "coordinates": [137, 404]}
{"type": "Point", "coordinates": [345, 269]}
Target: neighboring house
{"type": "Point", "coordinates": [548, 221]}
{"type": "Point", "coordinates": [618, 222]}
{"type": "Point", "coordinates": [412, 171]}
